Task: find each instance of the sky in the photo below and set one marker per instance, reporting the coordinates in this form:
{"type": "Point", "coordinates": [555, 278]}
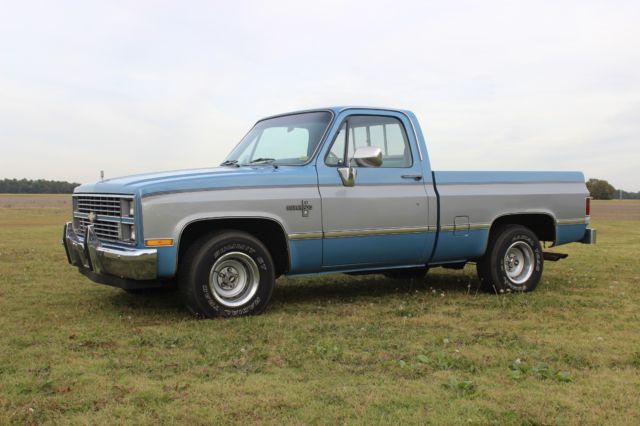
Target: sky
{"type": "Point", "coordinates": [139, 86]}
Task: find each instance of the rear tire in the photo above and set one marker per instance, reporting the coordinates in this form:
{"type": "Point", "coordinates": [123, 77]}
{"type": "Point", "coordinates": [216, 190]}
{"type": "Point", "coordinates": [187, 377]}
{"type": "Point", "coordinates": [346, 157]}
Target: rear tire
{"type": "Point", "coordinates": [228, 273]}
{"type": "Point", "coordinates": [513, 261]}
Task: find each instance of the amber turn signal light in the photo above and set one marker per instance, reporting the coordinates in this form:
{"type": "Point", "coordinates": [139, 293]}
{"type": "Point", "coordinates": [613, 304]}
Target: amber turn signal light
{"type": "Point", "coordinates": [158, 243]}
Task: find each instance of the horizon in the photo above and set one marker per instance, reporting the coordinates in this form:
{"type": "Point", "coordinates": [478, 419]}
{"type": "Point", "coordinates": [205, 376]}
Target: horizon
{"type": "Point", "coordinates": [146, 87]}
{"type": "Point", "coordinates": [115, 177]}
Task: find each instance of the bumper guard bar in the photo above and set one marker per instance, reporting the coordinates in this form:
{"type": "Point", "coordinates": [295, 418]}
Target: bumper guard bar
{"type": "Point", "coordinates": [90, 254]}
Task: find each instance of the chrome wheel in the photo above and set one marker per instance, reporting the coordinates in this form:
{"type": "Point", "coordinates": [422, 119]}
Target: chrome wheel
{"type": "Point", "coordinates": [519, 262]}
{"type": "Point", "coordinates": [234, 279]}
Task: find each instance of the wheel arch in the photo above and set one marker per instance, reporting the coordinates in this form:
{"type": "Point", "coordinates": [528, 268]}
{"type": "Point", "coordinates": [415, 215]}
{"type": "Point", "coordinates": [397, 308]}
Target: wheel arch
{"type": "Point", "coordinates": [268, 230]}
{"type": "Point", "coordinates": [543, 224]}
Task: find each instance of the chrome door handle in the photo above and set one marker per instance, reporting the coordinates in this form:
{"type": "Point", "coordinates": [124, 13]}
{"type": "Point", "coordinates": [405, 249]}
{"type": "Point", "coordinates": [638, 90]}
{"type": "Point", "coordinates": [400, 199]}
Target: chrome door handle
{"type": "Point", "coordinates": [414, 177]}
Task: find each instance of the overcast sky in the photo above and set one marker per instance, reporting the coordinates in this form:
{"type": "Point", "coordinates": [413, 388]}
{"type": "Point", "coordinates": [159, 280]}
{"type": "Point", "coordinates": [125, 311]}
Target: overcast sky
{"type": "Point", "coordinates": [134, 86]}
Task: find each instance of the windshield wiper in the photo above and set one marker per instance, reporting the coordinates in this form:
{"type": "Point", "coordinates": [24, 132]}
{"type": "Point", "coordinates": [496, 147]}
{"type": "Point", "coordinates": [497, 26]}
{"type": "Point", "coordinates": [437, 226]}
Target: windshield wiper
{"type": "Point", "coordinates": [262, 160]}
{"type": "Point", "coordinates": [230, 163]}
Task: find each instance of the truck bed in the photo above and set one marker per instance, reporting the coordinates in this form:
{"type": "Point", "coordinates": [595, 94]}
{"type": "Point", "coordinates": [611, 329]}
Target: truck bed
{"type": "Point", "coordinates": [469, 202]}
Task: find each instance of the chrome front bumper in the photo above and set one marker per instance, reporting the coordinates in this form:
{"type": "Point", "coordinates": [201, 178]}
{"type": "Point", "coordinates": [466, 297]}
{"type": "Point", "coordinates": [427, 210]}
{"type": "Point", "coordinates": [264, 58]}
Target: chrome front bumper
{"type": "Point", "coordinates": [122, 262]}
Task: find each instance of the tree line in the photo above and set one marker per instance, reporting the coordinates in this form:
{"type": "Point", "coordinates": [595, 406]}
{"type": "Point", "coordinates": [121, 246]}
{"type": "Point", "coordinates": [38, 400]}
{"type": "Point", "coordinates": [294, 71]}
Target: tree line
{"type": "Point", "coordinates": [38, 186]}
{"type": "Point", "coordinates": [600, 189]}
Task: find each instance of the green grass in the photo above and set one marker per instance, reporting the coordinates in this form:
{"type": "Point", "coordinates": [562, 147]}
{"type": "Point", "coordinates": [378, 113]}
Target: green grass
{"type": "Point", "coordinates": [22, 195]}
{"type": "Point", "coordinates": [333, 349]}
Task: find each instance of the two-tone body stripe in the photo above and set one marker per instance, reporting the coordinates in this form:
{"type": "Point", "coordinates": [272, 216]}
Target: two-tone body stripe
{"type": "Point", "coordinates": [407, 230]}
{"type": "Point", "coordinates": [360, 232]}
{"type": "Point", "coordinates": [229, 188]}
{"type": "Point", "coordinates": [305, 236]}
{"type": "Point", "coordinates": [369, 184]}
{"type": "Point", "coordinates": [379, 231]}
{"type": "Point", "coordinates": [574, 221]}
{"type": "Point", "coordinates": [464, 227]}
{"type": "Point", "coordinates": [504, 182]}
{"type": "Point", "coordinates": [383, 231]}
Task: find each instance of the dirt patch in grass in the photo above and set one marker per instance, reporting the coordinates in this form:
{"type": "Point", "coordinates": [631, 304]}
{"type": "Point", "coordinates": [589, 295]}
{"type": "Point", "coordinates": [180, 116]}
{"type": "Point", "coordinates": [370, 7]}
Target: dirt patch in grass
{"type": "Point", "coordinates": [618, 210]}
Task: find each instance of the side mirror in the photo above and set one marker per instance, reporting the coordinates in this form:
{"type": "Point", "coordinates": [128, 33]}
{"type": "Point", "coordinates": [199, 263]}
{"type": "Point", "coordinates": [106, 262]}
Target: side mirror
{"type": "Point", "coordinates": [368, 156]}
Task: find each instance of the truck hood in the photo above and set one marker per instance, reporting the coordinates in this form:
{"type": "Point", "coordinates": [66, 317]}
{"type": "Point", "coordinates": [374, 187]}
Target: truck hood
{"type": "Point", "coordinates": [203, 179]}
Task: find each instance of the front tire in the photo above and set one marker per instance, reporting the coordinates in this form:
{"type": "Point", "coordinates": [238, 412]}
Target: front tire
{"type": "Point", "coordinates": [229, 273]}
{"type": "Point", "coordinates": [513, 261]}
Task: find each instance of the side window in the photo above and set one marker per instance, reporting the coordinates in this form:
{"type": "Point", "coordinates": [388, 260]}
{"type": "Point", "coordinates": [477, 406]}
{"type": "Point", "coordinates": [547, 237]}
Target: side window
{"type": "Point", "coordinates": [386, 133]}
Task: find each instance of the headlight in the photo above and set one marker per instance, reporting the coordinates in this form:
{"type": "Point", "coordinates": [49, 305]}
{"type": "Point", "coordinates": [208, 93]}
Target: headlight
{"type": "Point", "coordinates": [128, 207]}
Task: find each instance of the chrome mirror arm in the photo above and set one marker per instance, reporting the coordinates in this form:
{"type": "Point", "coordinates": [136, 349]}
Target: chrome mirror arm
{"type": "Point", "coordinates": [347, 176]}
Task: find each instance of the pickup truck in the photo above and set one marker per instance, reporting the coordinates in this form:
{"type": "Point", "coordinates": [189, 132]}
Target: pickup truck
{"type": "Point", "coordinates": [342, 189]}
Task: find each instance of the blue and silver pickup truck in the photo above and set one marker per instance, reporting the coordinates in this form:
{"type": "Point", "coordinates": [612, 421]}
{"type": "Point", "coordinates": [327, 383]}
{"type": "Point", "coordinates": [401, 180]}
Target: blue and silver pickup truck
{"type": "Point", "coordinates": [343, 189]}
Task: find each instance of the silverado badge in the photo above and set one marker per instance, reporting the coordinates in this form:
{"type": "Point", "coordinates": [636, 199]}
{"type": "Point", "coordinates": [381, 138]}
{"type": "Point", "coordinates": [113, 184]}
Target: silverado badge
{"type": "Point", "coordinates": [304, 207]}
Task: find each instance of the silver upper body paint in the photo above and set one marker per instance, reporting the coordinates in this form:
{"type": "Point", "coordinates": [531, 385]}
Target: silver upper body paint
{"type": "Point", "coordinates": [364, 210]}
{"type": "Point", "coordinates": [484, 203]}
{"type": "Point", "coordinates": [166, 215]}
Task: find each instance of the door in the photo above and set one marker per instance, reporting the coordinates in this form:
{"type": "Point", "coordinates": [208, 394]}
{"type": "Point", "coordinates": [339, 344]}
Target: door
{"type": "Point", "coordinates": [381, 221]}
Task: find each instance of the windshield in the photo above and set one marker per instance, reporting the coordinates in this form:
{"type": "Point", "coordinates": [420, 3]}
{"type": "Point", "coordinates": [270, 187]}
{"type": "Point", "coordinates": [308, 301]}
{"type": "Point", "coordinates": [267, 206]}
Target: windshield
{"type": "Point", "coordinates": [286, 140]}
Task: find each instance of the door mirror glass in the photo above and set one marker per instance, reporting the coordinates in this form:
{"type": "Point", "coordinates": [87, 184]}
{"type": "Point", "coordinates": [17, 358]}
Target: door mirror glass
{"type": "Point", "coordinates": [368, 156]}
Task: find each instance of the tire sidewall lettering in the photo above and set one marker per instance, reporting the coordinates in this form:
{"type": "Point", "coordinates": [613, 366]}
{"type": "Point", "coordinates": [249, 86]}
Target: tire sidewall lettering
{"type": "Point", "coordinates": [537, 254]}
{"type": "Point", "coordinates": [234, 247]}
{"type": "Point", "coordinates": [205, 291]}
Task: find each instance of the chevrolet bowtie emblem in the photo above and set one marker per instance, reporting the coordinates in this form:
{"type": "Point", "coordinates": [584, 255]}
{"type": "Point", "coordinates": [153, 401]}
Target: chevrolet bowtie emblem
{"type": "Point", "coordinates": [92, 217]}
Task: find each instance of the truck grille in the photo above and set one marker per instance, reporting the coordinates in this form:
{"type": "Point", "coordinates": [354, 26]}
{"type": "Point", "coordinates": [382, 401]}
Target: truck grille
{"type": "Point", "coordinates": [109, 231]}
{"type": "Point", "coordinates": [110, 215]}
{"type": "Point", "coordinates": [102, 205]}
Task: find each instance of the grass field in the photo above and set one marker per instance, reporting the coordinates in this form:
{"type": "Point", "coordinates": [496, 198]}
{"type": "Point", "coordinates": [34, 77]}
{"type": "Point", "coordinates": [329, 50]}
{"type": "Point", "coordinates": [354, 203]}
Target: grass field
{"type": "Point", "coordinates": [329, 350]}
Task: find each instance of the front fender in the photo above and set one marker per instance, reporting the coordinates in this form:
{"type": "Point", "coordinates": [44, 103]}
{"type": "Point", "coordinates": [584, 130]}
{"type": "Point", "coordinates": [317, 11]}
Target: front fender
{"type": "Point", "coordinates": [166, 216]}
